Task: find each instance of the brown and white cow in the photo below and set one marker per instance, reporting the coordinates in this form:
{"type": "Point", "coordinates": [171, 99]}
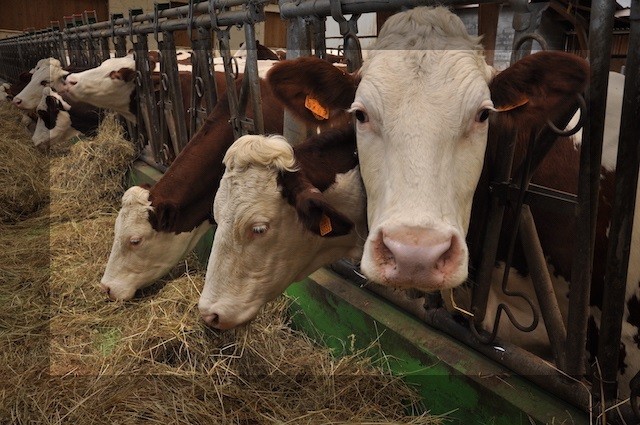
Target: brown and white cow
{"type": "Point", "coordinates": [60, 119]}
{"type": "Point", "coordinates": [421, 101]}
{"type": "Point", "coordinates": [421, 104]}
{"type": "Point", "coordinates": [157, 226]}
{"type": "Point", "coordinates": [282, 213]}
{"type": "Point", "coordinates": [47, 73]}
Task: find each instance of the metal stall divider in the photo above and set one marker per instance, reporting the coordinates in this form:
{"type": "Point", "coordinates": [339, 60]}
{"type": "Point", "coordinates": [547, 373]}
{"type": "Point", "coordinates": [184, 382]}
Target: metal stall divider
{"type": "Point", "coordinates": [171, 102]}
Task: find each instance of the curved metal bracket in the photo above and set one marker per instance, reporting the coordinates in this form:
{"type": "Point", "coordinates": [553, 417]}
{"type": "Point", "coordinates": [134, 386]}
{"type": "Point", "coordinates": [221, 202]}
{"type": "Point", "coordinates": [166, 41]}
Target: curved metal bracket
{"type": "Point", "coordinates": [570, 132]}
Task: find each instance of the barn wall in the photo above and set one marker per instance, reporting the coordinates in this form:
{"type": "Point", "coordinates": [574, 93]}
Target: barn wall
{"type": "Point", "coordinates": [20, 14]}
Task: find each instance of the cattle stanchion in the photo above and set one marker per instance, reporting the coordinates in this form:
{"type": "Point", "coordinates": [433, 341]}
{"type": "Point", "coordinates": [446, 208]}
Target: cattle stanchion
{"type": "Point", "coordinates": [620, 231]}
{"type": "Point", "coordinates": [588, 185]}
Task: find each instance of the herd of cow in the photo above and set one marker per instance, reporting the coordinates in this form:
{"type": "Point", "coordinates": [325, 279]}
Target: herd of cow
{"type": "Point", "coordinates": [409, 130]}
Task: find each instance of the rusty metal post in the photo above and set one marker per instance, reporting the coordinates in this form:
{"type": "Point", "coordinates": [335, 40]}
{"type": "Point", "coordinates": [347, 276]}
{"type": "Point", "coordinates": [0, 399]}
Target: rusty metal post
{"type": "Point", "coordinates": [620, 232]}
{"type": "Point", "coordinates": [600, 35]}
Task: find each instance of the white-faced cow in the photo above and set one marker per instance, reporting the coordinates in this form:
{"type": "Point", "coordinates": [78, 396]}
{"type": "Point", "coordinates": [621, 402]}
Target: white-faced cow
{"type": "Point", "coordinates": [282, 213]}
{"type": "Point", "coordinates": [48, 73]}
{"type": "Point", "coordinates": [421, 102]}
{"type": "Point", "coordinates": [60, 119]}
{"type": "Point", "coordinates": [157, 226]}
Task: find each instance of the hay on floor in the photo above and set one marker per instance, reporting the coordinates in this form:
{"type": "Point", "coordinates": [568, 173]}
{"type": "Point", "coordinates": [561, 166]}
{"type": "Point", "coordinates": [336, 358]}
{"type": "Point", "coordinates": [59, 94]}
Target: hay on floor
{"type": "Point", "coordinates": [23, 169]}
{"type": "Point", "coordinates": [68, 355]}
{"type": "Point", "coordinates": [89, 179]}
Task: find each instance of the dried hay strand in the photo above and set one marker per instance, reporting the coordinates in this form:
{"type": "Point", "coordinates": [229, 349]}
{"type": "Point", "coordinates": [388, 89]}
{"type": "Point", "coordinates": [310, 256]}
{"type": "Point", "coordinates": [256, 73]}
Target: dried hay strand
{"type": "Point", "coordinates": [23, 169]}
{"type": "Point", "coordinates": [90, 178]}
{"type": "Point", "coordinates": [151, 360]}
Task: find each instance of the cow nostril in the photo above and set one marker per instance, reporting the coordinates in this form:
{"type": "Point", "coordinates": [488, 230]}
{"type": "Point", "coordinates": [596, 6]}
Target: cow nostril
{"type": "Point", "coordinates": [72, 83]}
{"type": "Point", "coordinates": [211, 320]}
{"type": "Point", "coordinates": [17, 100]}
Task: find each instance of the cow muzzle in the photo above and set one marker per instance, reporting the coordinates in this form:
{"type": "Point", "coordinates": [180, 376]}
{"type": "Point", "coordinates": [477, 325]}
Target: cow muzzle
{"type": "Point", "coordinates": [415, 257]}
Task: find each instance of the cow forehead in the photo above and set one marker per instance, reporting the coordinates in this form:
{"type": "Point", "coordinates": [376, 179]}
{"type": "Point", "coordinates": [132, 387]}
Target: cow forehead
{"type": "Point", "coordinates": [247, 195]}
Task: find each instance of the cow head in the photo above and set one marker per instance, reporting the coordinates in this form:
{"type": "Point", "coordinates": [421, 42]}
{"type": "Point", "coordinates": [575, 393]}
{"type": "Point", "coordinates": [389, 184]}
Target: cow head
{"type": "Point", "coordinates": [110, 85]}
{"type": "Point", "coordinates": [421, 108]}
{"type": "Point", "coordinates": [54, 121]}
{"type": "Point", "coordinates": [140, 254]}
{"type": "Point", "coordinates": [48, 73]}
{"type": "Point", "coordinates": [273, 228]}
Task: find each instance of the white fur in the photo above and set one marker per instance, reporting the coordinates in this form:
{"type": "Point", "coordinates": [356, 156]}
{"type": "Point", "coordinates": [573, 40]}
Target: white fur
{"type": "Point", "coordinates": [96, 87]}
{"type": "Point", "coordinates": [134, 267]}
{"type": "Point", "coordinates": [422, 172]}
{"type": "Point", "coordinates": [246, 270]}
{"type": "Point", "coordinates": [48, 73]}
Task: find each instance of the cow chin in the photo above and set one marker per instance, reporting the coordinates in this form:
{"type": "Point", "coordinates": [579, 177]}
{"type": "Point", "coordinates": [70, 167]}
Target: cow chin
{"type": "Point", "coordinates": [414, 257]}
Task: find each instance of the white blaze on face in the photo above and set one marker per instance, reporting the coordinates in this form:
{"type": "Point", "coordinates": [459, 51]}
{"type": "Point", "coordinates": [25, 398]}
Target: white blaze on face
{"type": "Point", "coordinates": [260, 246]}
{"type": "Point", "coordinates": [105, 86]}
{"type": "Point", "coordinates": [48, 73]}
{"type": "Point", "coordinates": [421, 108]}
{"type": "Point", "coordinates": [140, 255]}
{"type": "Point", "coordinates": [57, 112]}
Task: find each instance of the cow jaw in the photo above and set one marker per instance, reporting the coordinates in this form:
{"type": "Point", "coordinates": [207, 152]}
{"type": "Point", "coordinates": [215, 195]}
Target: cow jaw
{"type": "Point", "coordinates": [420, 175]}
{"type": "Point", "coordinates": [140, 255]}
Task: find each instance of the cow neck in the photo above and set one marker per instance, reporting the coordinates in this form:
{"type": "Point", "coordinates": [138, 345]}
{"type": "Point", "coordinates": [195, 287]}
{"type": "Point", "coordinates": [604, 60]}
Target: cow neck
{"type": "Point", "coordinates": [325, 155]}
{"type": "Point", "coordinates": [191, 182]}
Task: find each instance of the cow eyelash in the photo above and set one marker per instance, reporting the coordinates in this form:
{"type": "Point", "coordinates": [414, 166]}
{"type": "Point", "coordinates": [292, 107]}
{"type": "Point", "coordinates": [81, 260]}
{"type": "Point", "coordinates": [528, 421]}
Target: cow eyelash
{"type": "Point", "coordinates": [135, 241]}
{"type": "Point", "coordinates": [361, 116]}
{"type": "Point", "coordinates": [259, 229]}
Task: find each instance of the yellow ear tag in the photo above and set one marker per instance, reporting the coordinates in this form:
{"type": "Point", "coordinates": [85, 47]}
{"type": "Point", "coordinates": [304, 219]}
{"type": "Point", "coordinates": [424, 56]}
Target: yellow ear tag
{"type": "Point", "coordinates": [319, 111]}
{"type": "Point", "coordinates": [325, 225]}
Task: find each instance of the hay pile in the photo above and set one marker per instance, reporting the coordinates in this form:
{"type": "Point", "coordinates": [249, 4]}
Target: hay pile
{"type": "Point", "coordinates": [23, 169]}
{"type": "Point", "coordinates": [69, 356]}
{"type": "Point", "coordinates": [88, 180]}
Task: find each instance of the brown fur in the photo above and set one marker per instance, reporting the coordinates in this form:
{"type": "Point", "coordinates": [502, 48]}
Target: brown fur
{"type": "Point", "coordinates": [321, 157]}
{"type": "Point", "coordinates": [183, 197]}
{"type": "Point", "coordinates": [293, 80]}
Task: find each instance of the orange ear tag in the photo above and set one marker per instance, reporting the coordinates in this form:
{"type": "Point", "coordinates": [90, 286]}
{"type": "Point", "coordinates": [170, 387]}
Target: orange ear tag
{"type": "Point", "coordinates": [319, 111]}
{"type": "Point", "coordinates": [325, 225]}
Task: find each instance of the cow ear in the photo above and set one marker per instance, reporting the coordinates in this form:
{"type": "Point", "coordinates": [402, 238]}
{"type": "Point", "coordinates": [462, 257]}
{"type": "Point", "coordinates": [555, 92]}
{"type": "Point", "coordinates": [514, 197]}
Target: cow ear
{"type": "Point", "coordinates": [539, 87]}
{"type": "Point", "coordinates": [124, 74]}
{"type": "Point", "coordinates": [164, 217]}
{"type": "Point", "coordinates": [319, 217]}
{"type": "Point", "coordinates": [311, 88]}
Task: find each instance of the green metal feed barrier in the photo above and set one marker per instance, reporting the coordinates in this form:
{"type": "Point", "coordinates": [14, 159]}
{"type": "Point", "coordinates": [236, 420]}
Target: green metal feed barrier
{"type": "Point", "coordinates": [451, 378]}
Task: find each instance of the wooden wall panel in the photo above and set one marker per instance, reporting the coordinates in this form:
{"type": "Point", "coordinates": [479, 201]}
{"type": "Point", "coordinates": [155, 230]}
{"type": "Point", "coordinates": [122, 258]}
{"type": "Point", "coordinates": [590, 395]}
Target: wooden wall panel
{"type": "Point", "coordinates": [275, 31]}
{"type": "Point", "coordinates": [21, 14]}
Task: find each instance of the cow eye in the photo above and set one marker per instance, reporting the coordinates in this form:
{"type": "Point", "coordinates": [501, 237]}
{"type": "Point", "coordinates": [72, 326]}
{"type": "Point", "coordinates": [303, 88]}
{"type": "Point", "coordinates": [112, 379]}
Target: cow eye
{"type": "Point", "coordinates": [483, 115]}
{"type": "Point", "coordinates": [135, 241]}
{"type": "Point", "coordinates": [259, 229]}
{"type": "Point", "coordinates": [45, 82]}
{"type": "Point", "coordinates": [361, 116]}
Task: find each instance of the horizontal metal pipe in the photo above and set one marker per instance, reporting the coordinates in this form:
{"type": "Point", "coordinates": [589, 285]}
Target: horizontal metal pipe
{"type": "Point", "coordinates": [320, 8]}
{"type": "Point", "coordinates": [515, 358]}
{"type": "Point", "coordinates": [201, 21]}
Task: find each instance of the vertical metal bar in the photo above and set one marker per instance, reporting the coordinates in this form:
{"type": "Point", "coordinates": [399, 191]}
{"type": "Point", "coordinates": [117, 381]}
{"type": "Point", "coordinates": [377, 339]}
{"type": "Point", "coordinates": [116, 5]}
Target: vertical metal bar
{"type": "Point", "coordinates": [501, 173]}
{"type": "Point", "coordinates": [146, 98]}
{"type": "Point", "coordinates": [251, 72]}
{"type": "Point", "coordinates": [232, 94]}
{"type": "Point", "coordinates": [622, 217]}
{"type": "Point", "coordinates": [298, 45]}
{"type": "Point", "coordinates": [172, 94]}
{"type": "Point", "coordinates": [543, 286]}
{"type": "Point", "coordinates": [600, 34]}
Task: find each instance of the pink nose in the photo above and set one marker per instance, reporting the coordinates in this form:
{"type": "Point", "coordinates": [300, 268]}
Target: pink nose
{"type": "Point", "coordinates": [106, 290]}
{"type": "Point", "coordinates": [17, 101]}
{"type": "Point", "coordinates": [212, 320]}
{"type": "Point", "coordinates": [417, 257]}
